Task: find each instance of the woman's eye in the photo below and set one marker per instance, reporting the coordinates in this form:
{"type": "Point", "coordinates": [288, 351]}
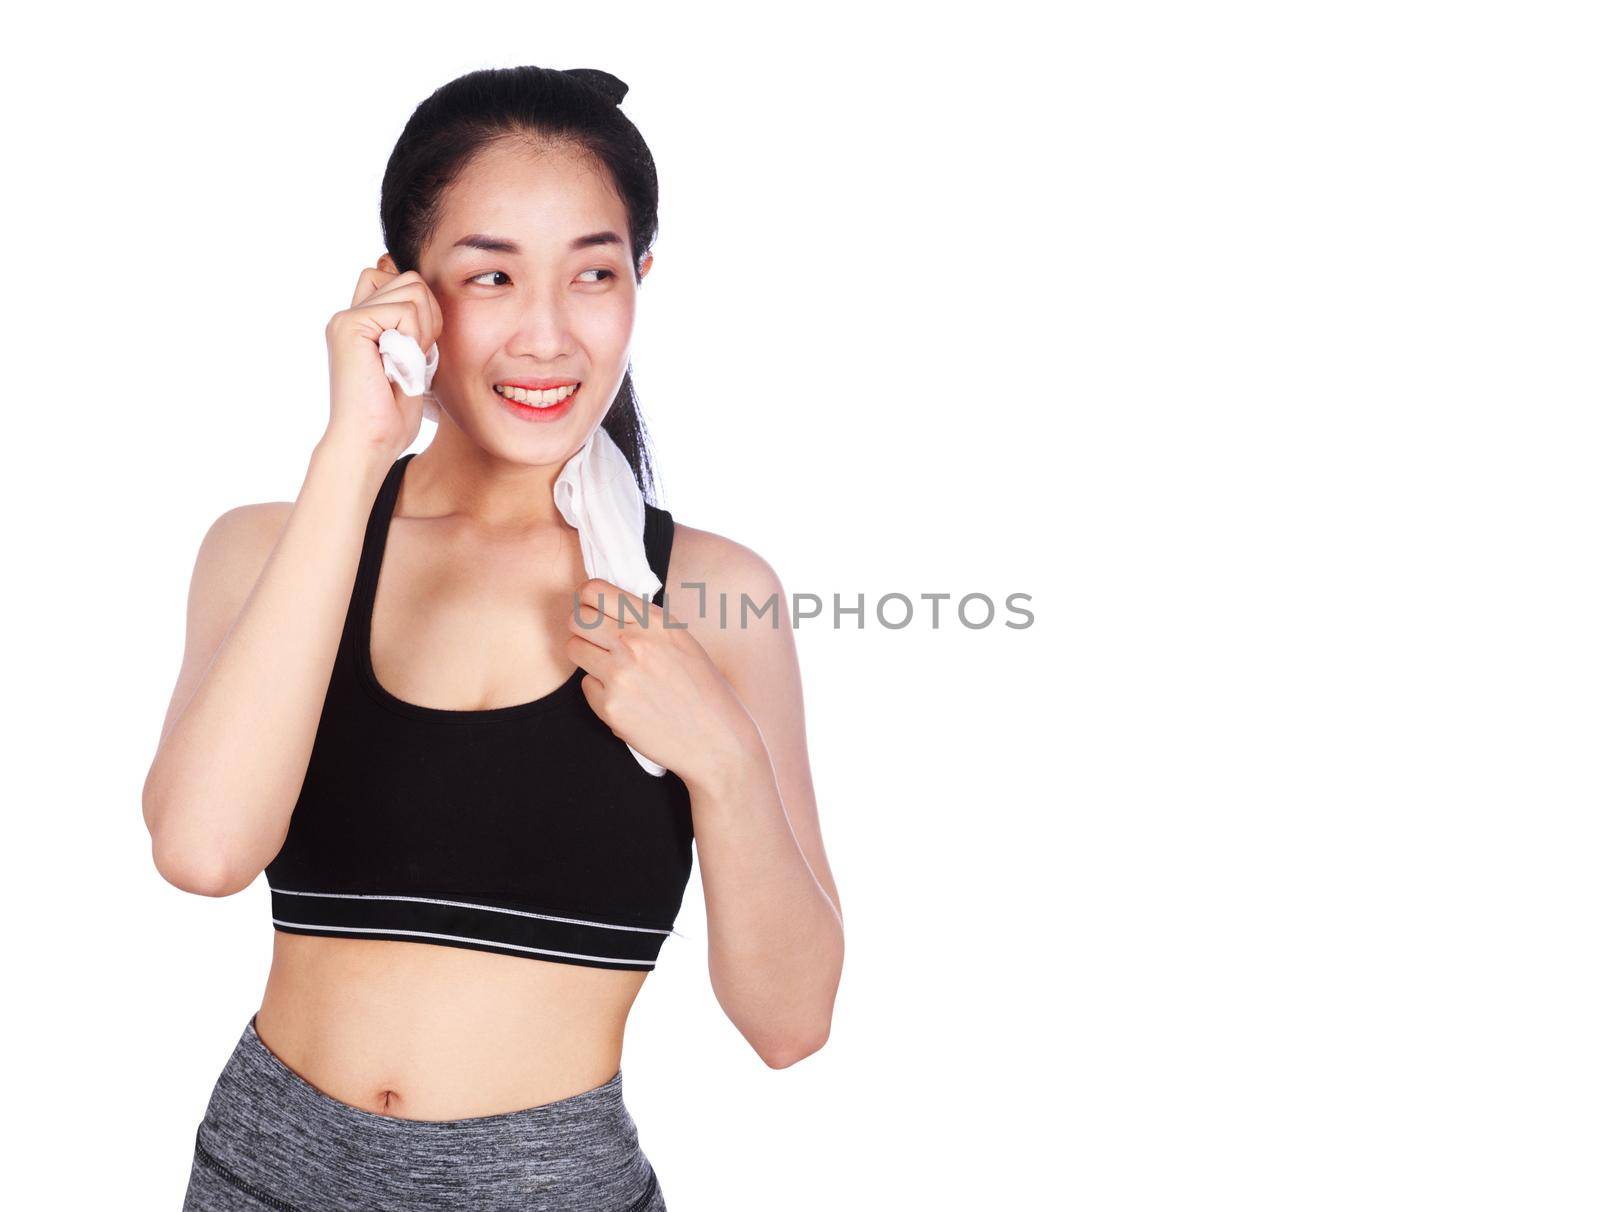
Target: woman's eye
{"type": "Point", "coordinates": [609, 274]}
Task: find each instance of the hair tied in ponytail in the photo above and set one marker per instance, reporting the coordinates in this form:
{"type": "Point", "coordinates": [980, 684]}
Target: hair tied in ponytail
{"type": "Point", "coordinates": [613, 89]}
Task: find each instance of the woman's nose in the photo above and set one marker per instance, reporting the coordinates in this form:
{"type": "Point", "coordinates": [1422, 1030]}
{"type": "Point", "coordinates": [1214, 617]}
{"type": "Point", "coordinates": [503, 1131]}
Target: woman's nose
{"type": "Point", "coordinates": [542, 330]}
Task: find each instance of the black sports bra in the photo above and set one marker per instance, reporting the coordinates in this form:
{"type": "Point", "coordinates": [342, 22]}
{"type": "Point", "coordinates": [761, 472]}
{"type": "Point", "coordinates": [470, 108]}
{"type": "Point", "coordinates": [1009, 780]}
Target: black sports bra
{"type": "Point", "coordinates": [528, 830]}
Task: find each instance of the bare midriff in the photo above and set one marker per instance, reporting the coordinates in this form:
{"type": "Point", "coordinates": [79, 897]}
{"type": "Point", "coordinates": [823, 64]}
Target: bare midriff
{"type": "Point", "coordinates": [424, 1031]}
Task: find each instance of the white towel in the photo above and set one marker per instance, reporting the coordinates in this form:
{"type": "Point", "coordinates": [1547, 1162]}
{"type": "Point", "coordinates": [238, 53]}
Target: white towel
{"type": "Point", "coordinates": [404, 364]}
{"type": "Point", "coordinates": [595, 492]}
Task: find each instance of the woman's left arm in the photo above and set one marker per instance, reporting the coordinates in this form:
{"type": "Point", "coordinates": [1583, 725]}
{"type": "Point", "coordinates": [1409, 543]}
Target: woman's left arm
{"type": "Point", "coordinates": [727, 716]}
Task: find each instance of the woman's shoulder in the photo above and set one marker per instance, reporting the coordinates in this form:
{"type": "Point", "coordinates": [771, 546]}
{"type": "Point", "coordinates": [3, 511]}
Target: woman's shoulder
{"type": "Point", "coordinates": [729, 598]}
{"type": "Point", "coordinates": [232, 555]}
{"type": "Point", "coordinates": [719, 563]}
{"type": "Point", "coordinates": [230, 560]}
{"type": "Point", "coordinates": [238, 542]}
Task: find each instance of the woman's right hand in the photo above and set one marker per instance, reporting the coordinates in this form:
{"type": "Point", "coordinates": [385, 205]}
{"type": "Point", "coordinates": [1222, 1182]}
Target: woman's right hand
{"type": "Point", "coordinates": [366, 409]}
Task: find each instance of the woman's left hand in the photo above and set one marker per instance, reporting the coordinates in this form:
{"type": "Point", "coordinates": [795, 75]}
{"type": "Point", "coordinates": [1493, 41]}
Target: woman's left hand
{"type": "Point", "coordinates": [654, 685]}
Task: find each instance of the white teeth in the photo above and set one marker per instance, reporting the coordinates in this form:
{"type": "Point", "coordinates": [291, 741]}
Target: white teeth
{"type": "Point", "coordinates": [539, 399]}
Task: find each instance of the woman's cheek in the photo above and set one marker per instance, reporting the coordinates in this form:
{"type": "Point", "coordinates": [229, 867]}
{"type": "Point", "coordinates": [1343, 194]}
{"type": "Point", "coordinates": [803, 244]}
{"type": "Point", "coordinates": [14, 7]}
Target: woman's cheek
{"type": "Point", "coordinates": [611, 325]}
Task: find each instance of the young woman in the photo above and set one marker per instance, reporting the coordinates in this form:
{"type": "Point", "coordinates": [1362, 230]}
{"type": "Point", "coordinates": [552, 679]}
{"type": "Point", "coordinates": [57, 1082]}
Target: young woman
{"type": "Point", "coordinates": [403, 699]}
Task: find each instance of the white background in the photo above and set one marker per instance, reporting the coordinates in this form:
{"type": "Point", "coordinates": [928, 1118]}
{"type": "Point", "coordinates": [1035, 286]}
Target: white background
{"type": "Point", "coordinates": [1255, 342]}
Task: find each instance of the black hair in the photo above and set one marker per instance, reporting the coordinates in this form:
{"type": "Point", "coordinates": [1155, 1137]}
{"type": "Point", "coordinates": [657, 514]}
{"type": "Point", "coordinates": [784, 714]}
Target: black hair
{"type": "Point", "coordinates": [577, 106]}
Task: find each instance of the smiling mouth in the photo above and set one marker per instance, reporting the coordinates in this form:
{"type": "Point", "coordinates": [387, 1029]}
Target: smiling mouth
{"type": "Point", "coordinates": [548, 398]}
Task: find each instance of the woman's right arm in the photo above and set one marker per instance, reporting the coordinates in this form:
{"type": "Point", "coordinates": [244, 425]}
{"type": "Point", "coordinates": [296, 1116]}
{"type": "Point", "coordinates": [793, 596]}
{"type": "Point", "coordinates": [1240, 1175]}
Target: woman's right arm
{"type": "Point", "coordinates": [263, 629]}
{"type": "Point", "coordinates": [267, 606]}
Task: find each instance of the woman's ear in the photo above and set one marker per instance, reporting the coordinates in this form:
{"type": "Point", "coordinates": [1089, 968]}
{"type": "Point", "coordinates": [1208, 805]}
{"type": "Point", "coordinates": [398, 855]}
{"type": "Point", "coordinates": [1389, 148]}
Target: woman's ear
{"type": "Point", "coordinates": [644, 266]}
{"type": "Point", "coordinates": [386, 263]}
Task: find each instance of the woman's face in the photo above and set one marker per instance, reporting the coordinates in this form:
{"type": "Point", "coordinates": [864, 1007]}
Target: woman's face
{"type": "Point", "coordinates": [543, 305]}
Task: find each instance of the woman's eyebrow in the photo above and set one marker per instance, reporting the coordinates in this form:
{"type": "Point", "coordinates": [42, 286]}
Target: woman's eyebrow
{"type": "Point", "coordinates": [500, 244]}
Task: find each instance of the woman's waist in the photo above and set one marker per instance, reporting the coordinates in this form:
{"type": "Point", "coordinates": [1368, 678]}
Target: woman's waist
{"type": "Point", "coordinates": [422, 1032]}
{"type": "Point", "coordinates": [273, 1136]}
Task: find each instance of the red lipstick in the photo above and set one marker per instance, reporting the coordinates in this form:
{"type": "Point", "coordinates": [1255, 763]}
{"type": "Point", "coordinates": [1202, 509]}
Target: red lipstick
{"type": "Point", "coordinates": [531, 412]}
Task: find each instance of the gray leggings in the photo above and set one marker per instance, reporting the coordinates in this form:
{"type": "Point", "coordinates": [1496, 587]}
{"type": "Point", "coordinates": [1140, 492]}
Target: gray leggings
{"type": "Point", "coordinates": [270, 1139]}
